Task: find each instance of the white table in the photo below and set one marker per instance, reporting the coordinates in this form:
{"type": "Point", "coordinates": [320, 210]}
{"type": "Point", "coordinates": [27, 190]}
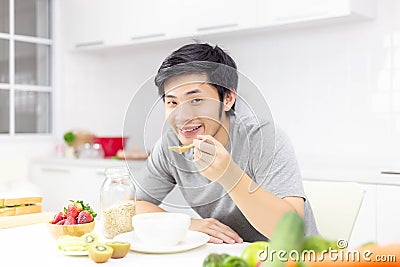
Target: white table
{"type": "Point", "coordinates": [33, 245]}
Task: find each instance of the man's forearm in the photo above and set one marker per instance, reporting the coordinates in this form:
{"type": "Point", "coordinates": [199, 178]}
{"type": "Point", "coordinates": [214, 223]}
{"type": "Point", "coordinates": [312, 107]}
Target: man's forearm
{"type": "Point", "coordinates": [261, 208]}
{"type": "Point", "coordinates": [145, 207]}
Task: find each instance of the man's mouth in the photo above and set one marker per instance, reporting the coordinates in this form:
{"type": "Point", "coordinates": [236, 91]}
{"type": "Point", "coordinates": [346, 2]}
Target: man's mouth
{"type": "Point", "coordinates": [189, 131]}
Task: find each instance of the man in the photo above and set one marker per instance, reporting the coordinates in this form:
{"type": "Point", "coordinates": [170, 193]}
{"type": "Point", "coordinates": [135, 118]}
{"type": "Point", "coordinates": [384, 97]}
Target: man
{"type": "Point", "coordinates": [241, 175]}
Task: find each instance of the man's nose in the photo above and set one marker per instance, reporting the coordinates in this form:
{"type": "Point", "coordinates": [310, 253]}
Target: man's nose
{"type": "Point", "coordinates": [184, 113]}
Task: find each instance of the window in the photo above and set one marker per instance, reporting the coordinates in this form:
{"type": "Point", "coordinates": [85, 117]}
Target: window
{"type": "Point", "coordinates": [26, 93]}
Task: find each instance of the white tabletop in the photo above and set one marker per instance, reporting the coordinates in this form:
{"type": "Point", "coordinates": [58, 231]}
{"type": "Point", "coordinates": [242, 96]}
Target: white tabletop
{"type": "Point", "coordinates": [33, 245]}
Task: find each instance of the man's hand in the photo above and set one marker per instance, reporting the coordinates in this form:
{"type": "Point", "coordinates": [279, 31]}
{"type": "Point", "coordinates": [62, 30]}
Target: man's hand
{"type": "Point", "coordinates": [211, 157]}
{"type": "Point", "coordinates": [214, 162]}
{"type": "Point", "coordinates": [219, 232]}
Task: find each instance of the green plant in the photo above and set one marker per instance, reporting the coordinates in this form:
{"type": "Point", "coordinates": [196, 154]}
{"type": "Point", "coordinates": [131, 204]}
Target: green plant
{"type": "Point", "coordinates": [69, 138]}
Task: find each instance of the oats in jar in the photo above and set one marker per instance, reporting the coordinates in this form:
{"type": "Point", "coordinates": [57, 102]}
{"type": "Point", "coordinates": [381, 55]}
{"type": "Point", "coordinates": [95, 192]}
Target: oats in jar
{"type": "Point", "coordinates": [118, 219]}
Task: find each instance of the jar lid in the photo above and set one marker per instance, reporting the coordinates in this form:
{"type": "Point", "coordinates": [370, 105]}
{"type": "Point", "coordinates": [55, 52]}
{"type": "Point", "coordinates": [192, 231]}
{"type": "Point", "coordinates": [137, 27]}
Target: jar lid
{"type": "Point", "coordinates": [117, 171]}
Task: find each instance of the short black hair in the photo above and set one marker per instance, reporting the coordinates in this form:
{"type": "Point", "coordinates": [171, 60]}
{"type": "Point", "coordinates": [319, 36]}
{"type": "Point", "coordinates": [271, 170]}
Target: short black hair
{"type": "Point", "coordinates": [200, 58]}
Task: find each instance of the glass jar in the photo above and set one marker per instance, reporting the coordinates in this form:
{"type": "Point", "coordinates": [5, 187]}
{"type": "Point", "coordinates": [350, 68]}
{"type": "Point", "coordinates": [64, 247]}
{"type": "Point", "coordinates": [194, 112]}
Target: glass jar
{"type": "Point", "coordinates": [117, 202]}
{"type": "Point", "coordinates": [90, 151]}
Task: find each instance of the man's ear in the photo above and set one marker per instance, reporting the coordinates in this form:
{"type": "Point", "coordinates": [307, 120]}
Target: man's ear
{"type": "Point", "coordinates": [229, 99]}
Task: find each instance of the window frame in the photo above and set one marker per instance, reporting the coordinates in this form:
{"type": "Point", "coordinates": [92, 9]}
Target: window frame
{"type": "Point", "coordinates": [12, 87]}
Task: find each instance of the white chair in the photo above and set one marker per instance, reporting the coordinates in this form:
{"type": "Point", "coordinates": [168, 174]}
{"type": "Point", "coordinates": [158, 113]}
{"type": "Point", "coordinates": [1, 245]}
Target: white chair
{"type": "Point", "coordinates": [335, 206]}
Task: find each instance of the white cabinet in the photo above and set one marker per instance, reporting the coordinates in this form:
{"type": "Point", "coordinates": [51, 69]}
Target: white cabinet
{"type": "Point", "coordinates": [59, 184]}
{"type": "Point", "coordinates": [84, 22]}
{"type": "Point", "coordinates": [283, 12]}
{"type": "Point", "coordinates": [104, 23]}
{"type": "Point", "coordinates": [138, 21]}
{"type": "Point", "coordinates": [210, 16]}
{"type": "Point", "coordinates": [388, 214]}
{"type": "Point", "coordinates": [290, 11]}
{"type": "Point", "coordinates": [111, 23]}
{"type": "Point", "coordinates": [63, 180]}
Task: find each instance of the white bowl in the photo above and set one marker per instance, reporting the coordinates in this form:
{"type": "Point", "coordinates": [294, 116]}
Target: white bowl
{"type": "Point", "coordinates": [161, 228]}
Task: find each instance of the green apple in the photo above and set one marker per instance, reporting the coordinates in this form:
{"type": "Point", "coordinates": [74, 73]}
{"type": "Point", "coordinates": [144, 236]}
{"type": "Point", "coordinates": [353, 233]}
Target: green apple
{"type": "Point", "coordinates": [316, 243]}
{"type": "Point", "coordinates": [251, 252]}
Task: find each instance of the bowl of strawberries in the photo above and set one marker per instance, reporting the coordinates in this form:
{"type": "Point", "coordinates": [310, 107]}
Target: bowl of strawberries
{"type": "Point", "coordinates": [76, 219]}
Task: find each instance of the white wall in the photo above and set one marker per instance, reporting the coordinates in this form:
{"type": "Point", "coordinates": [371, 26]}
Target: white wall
{"type": "Point", "coordinates": [334, 88]}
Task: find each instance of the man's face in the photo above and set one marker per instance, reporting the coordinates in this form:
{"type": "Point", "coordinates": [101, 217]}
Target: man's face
{"type": "Point", "coordinates": [192, 107]}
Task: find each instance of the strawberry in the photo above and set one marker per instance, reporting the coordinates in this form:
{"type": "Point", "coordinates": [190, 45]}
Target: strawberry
{"type": "Point", "coordinates": [74, 208]}
{"type": "Point", "coordinates": [61, 222]}
{"type": "Point", "coordinates": [84, 217]}
{"type": "Point", "coordinates": [77, 212]}
{"type": "Point", "coordinates": [58, 217]}
{"type": "Point", "coordinates": [70, 221]}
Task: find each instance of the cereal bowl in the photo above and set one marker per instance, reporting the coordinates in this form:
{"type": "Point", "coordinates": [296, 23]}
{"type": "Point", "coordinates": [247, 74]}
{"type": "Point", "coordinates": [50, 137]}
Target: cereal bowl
{"type": "Point", "coordinates": [161, 228]}
{"type": "Point", "coordinates": [73, 230]}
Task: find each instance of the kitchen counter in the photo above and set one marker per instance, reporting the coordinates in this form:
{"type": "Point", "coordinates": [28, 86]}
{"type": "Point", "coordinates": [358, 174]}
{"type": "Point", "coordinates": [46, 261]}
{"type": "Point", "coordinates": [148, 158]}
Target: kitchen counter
{"type": "Point", "coordinates": [34, 246]}
{"type": "Point", "coordinates": [103, 163]}
{"type": "Point", "coordinates": [365, 176]}
{"type": "Point", "coordinates": [361, 174]}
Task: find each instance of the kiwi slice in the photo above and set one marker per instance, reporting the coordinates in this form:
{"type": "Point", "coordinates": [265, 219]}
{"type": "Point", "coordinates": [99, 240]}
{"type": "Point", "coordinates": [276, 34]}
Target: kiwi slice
{"type": "Point", "coordinates": [68, 243]}
{"type": "Point", "coordinates": [90, 238]}
{"type": "Point", "coordinates": [120, 249]}
{"type": "Point", "coordinates": [100, 253]}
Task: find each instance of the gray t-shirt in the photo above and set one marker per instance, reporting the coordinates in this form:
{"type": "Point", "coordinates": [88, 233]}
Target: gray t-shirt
{"type": "Point", "coordinates": [262, 150]}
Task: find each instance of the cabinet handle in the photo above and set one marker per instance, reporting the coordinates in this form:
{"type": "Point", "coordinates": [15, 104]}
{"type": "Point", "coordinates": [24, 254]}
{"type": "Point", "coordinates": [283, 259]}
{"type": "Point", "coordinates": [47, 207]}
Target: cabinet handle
{"type": "Point", "coordinates": [149, 36]}
{"type": "Point", "coordinates": [55, 170]}
{"type": "Point", "coordinates": [217, 27]}
{"type": "Point", "coordinates": [304, 16]}
{"type": "Point", "coordinates": [89, 44]}
{"type": "Point", "coordinates": [391, 172]}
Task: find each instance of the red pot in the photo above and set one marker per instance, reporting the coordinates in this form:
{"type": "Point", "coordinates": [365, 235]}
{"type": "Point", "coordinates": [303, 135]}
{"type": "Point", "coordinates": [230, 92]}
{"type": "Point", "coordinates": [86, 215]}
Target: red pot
{"type": "Point", "coordinates": [110, 145]}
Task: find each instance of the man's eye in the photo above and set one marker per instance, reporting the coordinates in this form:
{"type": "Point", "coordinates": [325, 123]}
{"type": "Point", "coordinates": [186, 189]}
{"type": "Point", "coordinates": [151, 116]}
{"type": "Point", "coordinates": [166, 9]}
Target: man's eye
{"type": "Point", "coordinates": [196, 100]}
{"type": "Point", "coordinates": [171, 103]}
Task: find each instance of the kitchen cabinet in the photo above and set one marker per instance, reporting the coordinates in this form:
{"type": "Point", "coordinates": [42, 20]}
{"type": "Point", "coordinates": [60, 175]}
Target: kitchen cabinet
{"type": "Point", "coordinates": [379, 217]}
{"type": "Point", "coordinates": [95, 23]}
{"type": "Point", "coordinates": [286, 12]}
{"type": "Point", "coordinates": [85, 23]}
{"type": "Point", "coordinates": [113, 23]}
{"type": "Point", "coordinates": [216, 16]}
{"type": "Point", "coordinates": [101, 23]}
{"type": "Point", "coordinates": [62, 180]}
{"type": "Point", "coordinates": [388, 214]}
{"type": "Point", "coordinates": [137, 21]}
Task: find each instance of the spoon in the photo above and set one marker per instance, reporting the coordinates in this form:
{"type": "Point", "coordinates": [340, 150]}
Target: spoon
{"type": "Point", "coordinates": [181, 149]}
